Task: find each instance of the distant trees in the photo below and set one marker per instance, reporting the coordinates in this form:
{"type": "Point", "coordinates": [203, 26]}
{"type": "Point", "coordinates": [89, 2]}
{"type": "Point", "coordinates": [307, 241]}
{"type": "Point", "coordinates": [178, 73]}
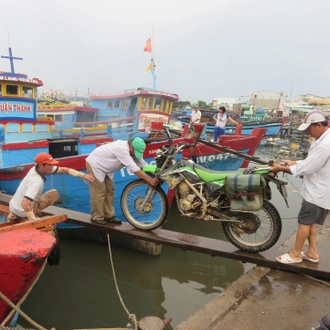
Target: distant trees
{"type": "Point", "coordinates": [180, 104]}
{"type": "Point", "coordinates": [201, 104]}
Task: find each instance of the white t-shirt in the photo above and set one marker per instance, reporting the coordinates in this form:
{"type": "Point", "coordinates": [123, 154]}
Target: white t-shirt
{"type": "Point", "coordinates": [196, 117]}
{"type": "Point", "coordinates": [221, 120]}
{"type": "Point", "coordinates": [111, 157]}
{"type": "Point", "coordinates": [31, 187]}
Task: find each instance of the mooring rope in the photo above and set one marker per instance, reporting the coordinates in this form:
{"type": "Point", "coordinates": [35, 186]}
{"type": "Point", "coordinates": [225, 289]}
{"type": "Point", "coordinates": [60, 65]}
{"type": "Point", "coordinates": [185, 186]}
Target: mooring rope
{"type": "Point", "coordinates": [15, 308]}
{"type": "Point", "coordinates": [131, 317]}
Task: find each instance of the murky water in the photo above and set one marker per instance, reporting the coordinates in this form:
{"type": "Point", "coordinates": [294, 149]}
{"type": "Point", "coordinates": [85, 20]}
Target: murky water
{"type": "Point", "coordinates": [80, 292]}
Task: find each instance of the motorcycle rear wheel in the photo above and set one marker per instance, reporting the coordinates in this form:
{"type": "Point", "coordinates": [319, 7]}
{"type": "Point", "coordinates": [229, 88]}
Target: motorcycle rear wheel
{"type": "Point", "coordinates": [155, 211]}
{"type": "Point", "coordinates": [262, 238]}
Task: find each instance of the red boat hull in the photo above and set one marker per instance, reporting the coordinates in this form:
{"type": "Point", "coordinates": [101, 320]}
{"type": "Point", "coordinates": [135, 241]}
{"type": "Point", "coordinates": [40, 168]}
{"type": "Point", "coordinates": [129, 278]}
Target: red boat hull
{"type": "Point", "coordinates": [22, 254]}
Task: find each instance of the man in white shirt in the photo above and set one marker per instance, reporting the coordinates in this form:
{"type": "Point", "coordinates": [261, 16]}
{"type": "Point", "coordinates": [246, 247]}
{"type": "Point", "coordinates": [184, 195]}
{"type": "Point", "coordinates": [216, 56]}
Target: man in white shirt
{"type": "Point", "coordinates": [102, 163]}
{"type": "Point", "coordinates": [28, 200]}
{"type": "Point", "coordinates": [315, 188]}
{"type": "Point", "coordinates": [195, 116]}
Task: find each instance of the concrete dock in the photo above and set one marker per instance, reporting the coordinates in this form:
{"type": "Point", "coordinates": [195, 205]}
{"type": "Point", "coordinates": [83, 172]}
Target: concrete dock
{"type": "Point", "coordinates": [266, 298]}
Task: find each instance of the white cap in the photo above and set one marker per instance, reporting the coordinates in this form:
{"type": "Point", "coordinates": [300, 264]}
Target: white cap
{"type": "Point", "coordinates": [315, 116]}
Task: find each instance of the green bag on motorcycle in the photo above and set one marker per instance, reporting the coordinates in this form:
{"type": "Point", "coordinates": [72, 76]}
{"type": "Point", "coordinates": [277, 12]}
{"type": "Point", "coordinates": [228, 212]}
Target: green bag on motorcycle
{"type": "Point", "coordinates": [246, 192]}
{"type": "Point", "coordinates": [244, 183]}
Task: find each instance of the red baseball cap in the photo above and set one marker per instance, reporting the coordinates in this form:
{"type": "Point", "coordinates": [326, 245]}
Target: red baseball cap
{"type": "Point", "coordinates": [44, 158]}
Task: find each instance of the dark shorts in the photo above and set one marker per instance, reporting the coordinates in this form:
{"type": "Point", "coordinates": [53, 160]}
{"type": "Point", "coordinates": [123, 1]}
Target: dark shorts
{"type": "Point", "coordinates": [311, 213]}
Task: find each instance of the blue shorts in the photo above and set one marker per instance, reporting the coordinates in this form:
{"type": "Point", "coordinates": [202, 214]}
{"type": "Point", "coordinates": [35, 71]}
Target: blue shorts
{"type": "Point", "coordinates": [311, 213]}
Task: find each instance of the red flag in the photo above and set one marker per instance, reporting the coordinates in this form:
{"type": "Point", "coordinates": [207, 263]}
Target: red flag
{"type": "Point", "coordinates": [147, 47]}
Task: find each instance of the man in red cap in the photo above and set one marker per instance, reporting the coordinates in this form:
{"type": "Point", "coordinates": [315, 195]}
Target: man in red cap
{"type": "Point", "coordinates": [29, 200]}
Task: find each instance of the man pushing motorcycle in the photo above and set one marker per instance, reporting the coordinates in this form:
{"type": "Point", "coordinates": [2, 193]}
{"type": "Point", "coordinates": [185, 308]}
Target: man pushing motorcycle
{"type": "Point", "coordinates": [315, 189]}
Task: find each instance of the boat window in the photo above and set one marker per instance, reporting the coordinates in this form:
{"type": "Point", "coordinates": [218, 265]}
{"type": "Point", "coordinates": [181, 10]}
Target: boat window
{"type": "Point", "coordinates": [83, 116]}
{"type": "Point", "coordinates": [158, 103]}
{"type": "Point", "coordinates": [109, 105]}
{"type": "Point", "coordinates": [144, 103]}
{"type": "Point", "coordinates": [151, 103]}
{"type": "Point", "coordinates": [0, 90]}
{"type": "Point", "coordinates": [116, 104]}
{"type": "Point", "coordinates": [12, 89]}
{"type": "Point", "coordinates": [167, 106]}
{"type": "Point", "coordinates": [162, 106]}
{"type": "Point", "coordinates": [58, 117]}
{"type": "Point", "coordinates": [125, 104]}
{"type": "Point", "coordinates": [27, 92]}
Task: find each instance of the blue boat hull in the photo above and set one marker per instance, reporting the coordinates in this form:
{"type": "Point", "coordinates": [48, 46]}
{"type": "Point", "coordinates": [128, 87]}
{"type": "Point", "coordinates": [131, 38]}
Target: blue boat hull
{"type": "Point", "coordinates": [75, 193]}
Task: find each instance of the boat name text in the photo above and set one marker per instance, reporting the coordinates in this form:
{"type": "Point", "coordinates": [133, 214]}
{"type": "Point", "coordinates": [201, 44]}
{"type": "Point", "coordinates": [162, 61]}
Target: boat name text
{"type": "Point", "coordinates": [6, 107]}
{"type": "Point", "coordinates": [22, 80]}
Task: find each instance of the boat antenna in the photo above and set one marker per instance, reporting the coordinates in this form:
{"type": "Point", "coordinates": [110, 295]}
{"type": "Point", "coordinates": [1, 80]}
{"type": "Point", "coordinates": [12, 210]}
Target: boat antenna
{"type": "Point", "coordinates": [10, 56]}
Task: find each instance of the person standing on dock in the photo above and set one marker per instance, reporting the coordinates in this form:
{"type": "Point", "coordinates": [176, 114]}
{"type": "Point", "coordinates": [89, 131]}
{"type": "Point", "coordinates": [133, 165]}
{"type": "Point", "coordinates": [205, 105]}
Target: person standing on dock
{"type": "Point", "coordinates": [102, 163]}
{"type": "Point", "coordinates": [28, 200]}
{"type": "Point", "coordinates": [315, 189]}
{"type": "Point", "coordinates": [222, 119]}
{"type": "Point", "coordinates": [195, 116]}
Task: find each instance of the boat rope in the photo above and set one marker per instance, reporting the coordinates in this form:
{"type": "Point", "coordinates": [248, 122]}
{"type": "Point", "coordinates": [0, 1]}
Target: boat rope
{"type": "Point", "coordinates": [131, 317]}
{"type": "Point", "coordinates": [15, 308]}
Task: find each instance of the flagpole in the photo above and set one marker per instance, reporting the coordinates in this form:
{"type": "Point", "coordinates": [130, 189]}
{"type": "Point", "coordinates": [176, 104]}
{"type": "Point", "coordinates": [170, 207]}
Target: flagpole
{"type": "Point", "coordinates": [153, 70]}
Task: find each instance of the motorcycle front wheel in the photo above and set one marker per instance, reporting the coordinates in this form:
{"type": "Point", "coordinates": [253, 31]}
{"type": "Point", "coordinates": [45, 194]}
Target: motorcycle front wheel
{"type": "Point", "coordinates": [140, 212]}
{"type": "Point", "coordinates": [260, 231]}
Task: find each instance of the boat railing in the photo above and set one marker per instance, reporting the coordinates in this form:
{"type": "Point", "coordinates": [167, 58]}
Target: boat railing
{"type": "Point", "coordinates": [116, 128]}
{"type": "Point", "coordinates": [26, 126]}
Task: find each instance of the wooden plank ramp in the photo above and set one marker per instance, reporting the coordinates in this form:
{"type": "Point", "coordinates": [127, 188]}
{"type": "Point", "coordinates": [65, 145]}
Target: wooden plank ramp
{"type": "Point", "coordinates": [195, 243]}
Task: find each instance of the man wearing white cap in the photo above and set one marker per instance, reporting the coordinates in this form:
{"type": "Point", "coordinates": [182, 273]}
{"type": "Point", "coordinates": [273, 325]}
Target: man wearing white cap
{"type": "Point", "coordinates": [315, 188]}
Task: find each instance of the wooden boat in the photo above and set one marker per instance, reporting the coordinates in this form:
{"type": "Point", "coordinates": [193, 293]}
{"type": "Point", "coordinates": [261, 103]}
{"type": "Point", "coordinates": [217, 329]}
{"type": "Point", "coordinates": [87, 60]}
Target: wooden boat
{"type": "Point", "coordinates": [71, 133]}
{"type": "Point", "coordinates": [24, 249]}
{"type": "Point", "coordinates": [273, 127]}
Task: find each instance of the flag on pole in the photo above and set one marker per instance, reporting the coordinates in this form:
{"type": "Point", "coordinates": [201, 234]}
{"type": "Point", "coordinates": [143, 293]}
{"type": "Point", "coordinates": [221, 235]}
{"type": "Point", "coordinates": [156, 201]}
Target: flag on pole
{"type": "Point", "coordinates": [149, 68]}
{"type": "Point", "coordinates": [147, 47]}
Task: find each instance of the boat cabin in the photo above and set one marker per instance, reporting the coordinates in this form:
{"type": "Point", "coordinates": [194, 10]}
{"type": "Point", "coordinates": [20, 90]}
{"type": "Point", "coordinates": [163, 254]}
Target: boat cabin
{"type": "Point", "coordinates": [23, 134]}
{"type": "Point", "coordinates": [139, 109]}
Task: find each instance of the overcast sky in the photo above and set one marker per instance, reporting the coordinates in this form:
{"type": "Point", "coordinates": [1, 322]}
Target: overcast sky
{"type": "Point", "coordinates": [204, 49]}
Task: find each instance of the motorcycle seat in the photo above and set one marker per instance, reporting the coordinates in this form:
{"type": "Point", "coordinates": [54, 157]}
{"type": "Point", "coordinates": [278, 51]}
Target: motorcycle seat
{"type": "Point", "coordinates": [209, 176]}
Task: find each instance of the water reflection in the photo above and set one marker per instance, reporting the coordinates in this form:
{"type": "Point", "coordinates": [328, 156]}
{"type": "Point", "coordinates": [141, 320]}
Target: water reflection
{"type": "Point", "coordinates": [80, 292]}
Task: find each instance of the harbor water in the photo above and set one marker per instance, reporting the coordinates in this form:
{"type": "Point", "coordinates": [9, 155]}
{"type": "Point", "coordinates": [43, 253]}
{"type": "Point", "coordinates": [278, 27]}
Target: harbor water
{"type": "Point", "coordinates": [81, 293]}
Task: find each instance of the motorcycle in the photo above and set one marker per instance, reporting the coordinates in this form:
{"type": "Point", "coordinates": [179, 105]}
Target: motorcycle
{"type": "Point", "coordinates": [240, 201]}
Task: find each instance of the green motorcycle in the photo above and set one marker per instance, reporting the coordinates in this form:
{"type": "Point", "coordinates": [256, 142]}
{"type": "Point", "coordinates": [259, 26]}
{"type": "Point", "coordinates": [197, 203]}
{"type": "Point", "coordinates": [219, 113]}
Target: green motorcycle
{"type": "Point", "coordinates": [239, 200]}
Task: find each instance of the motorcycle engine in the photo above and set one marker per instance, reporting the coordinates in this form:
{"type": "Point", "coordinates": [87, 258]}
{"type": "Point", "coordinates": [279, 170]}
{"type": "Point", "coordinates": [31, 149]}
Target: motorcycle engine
{"type": "Point", "coordinates": [186, 197]}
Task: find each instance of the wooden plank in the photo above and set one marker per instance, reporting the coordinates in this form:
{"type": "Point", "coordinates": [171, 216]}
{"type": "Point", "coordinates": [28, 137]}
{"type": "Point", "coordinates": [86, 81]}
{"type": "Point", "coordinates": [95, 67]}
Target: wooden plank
{"type": "Point", "coordinates": [45, 222]}
{"type": "Point", "coordinates": [199, 244]}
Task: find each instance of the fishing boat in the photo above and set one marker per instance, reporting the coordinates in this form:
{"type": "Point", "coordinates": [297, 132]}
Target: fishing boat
{"type": "Point", "coordinates": [139, 112]}
{"type": "Point", "coordinates": [273, 127]}
{"type": "Point", "coordinates": [135, 110]}
{"type": "Point", "coordinates": [24, 249]}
